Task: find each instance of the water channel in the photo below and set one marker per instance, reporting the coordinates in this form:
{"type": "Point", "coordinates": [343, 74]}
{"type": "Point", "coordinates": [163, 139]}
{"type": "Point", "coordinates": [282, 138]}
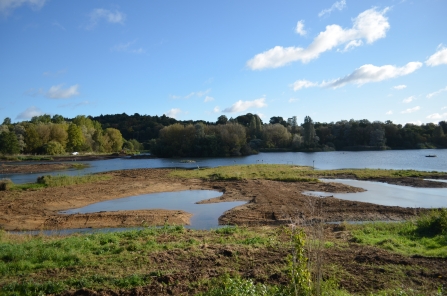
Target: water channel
{"type": "Point", "coordinates": [391, 159]}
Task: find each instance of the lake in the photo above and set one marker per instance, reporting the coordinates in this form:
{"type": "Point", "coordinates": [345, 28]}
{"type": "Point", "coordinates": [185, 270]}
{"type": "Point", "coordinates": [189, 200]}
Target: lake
{"type": "Point", "coordinates": [391, 159]}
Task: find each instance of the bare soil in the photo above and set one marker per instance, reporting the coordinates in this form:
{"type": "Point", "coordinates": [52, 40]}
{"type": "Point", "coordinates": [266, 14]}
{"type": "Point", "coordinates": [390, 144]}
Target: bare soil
{"type": "Point", "coordinates": [34, 168]}
{"type": "Point", "coordinates": [269, 203]}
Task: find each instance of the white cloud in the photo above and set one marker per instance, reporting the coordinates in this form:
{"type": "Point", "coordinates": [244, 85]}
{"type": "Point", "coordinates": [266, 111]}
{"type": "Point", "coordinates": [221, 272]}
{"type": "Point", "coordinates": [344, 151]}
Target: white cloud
{"type": "Point", "coordinates": [216, 109]}
{"type": "Point", "coordinates": [98, 14]}
{"type": "Point", "coordinates": [174, 112]}
{"type": "Point", "coordinates": [409, 99]}
{"type": "Point", "coordinates": [241, 106]}
{"type": "Point", "coordinates": [29, 113]}
{"type": "Point", "coordinates": [370, 73]}
{"type": "Point", "coordinates": [369, 25]}
{"type": "Point", "coordinates": [57, 92]}
{"type": "Point", "coordinates": [208, 99]}
{"type": "Point", "coordinates": [7, 6]}
{"type": "Point", "coordinates": [430, 95]}
{"type": "Point", "coordinates": [400, 87]}
{"type": "Point", "coordinates": [127, 47]}
{"type": "Point", "coordinates": [192, 94]}
{"type": "Point", "coordinates": [337, 5]}
{"type": "Point", "coordinates": [299, 84]}
{"type": "Point", "coordinates": [292, 100]}
{"type": "Point", "coordinates": [443, 108]}
{"type": "Point", "coordinates": [389, 112]}
{"type": "Point", "coordinates": [417, 122]}
{"type": "Point", "coordinates": [411, 110]}
{"type": "Point", "coordinates": [438, 58]}
{"type": "Point", "coordinates": [437, 116]}
{"type": "Point", "coordinates": [300, 28]}
{"type": "Point", "coordinates": [352, 44]}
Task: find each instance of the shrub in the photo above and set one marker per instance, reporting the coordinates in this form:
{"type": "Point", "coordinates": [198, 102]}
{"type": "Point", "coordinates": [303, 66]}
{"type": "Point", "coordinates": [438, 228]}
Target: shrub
{"type": "Point", "coordinates": [433, 223]}
{"type": "Point", "coordinates": [5, 184]}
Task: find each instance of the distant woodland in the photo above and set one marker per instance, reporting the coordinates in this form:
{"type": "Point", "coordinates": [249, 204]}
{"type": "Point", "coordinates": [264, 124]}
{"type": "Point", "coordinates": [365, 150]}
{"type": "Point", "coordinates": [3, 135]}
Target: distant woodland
{"type": "Point", "coordinates": [246, 134]}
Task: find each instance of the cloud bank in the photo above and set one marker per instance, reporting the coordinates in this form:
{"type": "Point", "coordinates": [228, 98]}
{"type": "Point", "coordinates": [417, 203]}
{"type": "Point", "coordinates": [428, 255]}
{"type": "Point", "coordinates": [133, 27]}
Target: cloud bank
{"type": "Point", "coordinates": [7, 6]}
{"type": "Point", "coordinates": [99, 14]}
{"type": "Point", "coordinates": [368, 26]}
{"type": "Point", "coordinates": [30, 113]}
{"type": "Point", "coordinates": [174, 112]}
{"type": "Point", "coordinates": [400, 87]}
{"type": "Point", "coordinates": [241, 106]}
{"type": "Point", "coordinates": [370, 73]}
{"type": "Point", "coordinates": [411, 110]}
{"type": "Point", "coordinates": [57, 92]}
{"type": "Point", "coordinates": [438, 58]}
{"type": "Point", "coordinates": [430, 95]}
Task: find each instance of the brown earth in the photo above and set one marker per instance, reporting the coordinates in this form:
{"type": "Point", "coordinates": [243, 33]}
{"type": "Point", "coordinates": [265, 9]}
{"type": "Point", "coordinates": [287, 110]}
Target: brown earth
{"type": "Point", "coordinates": [269, 203]}
{"type": "Point", "coordinates": [34, 168]}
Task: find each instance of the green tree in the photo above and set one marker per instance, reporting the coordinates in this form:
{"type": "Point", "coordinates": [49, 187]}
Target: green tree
{"type": "Point", "coordinates": [7, 121]}
{"type": "Point", "coordinates": [32, 139]}
{"type": "Point", "coordinates": [9, 143]}
{"type": "Point", "coordinates": [54, 148]}
{"type": "Point", "coordinates": [222, 119]}
{"type": "Point", "coordinates": [309, 137]}
{"type": "Point", "coordinates": [75, 138]}
{"type": "Point", "coordinates": [114, 139]}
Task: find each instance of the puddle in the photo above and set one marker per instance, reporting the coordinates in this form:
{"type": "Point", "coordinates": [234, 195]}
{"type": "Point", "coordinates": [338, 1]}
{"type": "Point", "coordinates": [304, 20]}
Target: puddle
{"type": "Point", "coordinates": [205, 216]}
{"type": "Point", "coordinates": [390, 195]}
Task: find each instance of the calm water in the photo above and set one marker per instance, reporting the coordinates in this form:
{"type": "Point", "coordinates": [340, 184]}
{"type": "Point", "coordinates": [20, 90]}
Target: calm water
{"type": "Point", "coordinates": [204, 215]}
{"type": "Point", "coordinates": [390, 195]}
{"type": "Point", "coordinates": [396, 159]}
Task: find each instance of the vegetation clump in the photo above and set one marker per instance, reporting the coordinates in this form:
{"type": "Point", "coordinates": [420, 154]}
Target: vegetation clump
{"type": "Point", "coordinates": [6, 184]}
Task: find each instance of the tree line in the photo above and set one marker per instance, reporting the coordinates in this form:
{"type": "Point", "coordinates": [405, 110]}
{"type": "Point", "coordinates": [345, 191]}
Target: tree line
{"type": "Point", "coordinates": [243, 135]}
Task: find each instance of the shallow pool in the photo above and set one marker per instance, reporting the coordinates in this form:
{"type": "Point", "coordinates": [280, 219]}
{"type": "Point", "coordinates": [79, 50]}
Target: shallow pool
{"type": "Point", "coordinates": [205, 216]}
{"type": "Point", "coordinates": [390, 195]}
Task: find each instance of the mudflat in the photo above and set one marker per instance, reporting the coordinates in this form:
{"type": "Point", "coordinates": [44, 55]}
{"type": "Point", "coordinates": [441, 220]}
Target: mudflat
{"type": "Point", "coordinates": [268, 202]}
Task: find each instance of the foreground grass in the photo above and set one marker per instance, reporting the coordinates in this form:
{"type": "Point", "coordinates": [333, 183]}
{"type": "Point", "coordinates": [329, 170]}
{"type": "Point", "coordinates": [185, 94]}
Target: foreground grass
{"type": "Point", "coordinates": [427, 236]}
{"type": "Point", "coordinates": [110, 260]}
{"type": "Point", "coordinates": [38, 265]}
{"type": "Point", "coordinates": [54, 181]}
{"type": "Point", "coordinates": [294, 173]}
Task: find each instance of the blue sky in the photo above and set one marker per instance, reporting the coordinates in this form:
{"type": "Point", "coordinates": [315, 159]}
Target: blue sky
{"type": "Point", "coordinates": [331, 60]}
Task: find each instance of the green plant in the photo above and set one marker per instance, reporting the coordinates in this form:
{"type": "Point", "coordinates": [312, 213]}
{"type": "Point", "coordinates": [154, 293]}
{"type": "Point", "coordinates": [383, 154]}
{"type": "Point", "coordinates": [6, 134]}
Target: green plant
{"type": "Point", "coordinates": [299, 273]}
{"type": "Point", "coordinates": [432, 223]}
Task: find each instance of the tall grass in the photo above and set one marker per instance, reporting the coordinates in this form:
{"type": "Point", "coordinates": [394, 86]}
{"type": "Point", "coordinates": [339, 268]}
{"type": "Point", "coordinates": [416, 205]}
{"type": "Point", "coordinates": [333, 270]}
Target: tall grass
{"type": "Point", "coordinates": [426, 236]}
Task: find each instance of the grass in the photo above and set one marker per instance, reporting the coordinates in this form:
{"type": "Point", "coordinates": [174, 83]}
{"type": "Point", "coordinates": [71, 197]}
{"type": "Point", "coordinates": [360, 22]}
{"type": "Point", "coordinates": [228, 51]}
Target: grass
{"type": "Point", "coordinates": [285, 173]}
{"type": "Point", "coordinates": [109, 260]}
{"type": "Point", "coordinates": [427, 236]}
{"type": "Point", "coordinates": [54, 181]}
{"type": "Point", "coordinates": [293, 173]}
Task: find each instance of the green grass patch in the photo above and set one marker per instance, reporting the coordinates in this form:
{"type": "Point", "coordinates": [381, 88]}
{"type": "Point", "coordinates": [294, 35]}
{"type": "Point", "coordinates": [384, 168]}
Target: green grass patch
{"type": "Point", "coordinates": [426, 236]}
{"type": "Point", "coordinates": [53, 181]}
{"type": "Point", "coordinates": [293, 173]}
{"type": "Point", "coordinates": [285, 173]}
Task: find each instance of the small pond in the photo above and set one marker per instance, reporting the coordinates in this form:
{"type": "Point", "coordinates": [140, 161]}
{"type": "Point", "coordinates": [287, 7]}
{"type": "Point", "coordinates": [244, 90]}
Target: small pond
{"type": "Point", "coordinates": [390, 195]}
{"type": "Point", "coordinates": [205, 216]}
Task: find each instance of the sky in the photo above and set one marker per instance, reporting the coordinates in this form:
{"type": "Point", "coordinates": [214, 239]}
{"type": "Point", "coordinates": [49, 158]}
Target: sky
{"type": "Point", "coordinates": [199, 59]}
